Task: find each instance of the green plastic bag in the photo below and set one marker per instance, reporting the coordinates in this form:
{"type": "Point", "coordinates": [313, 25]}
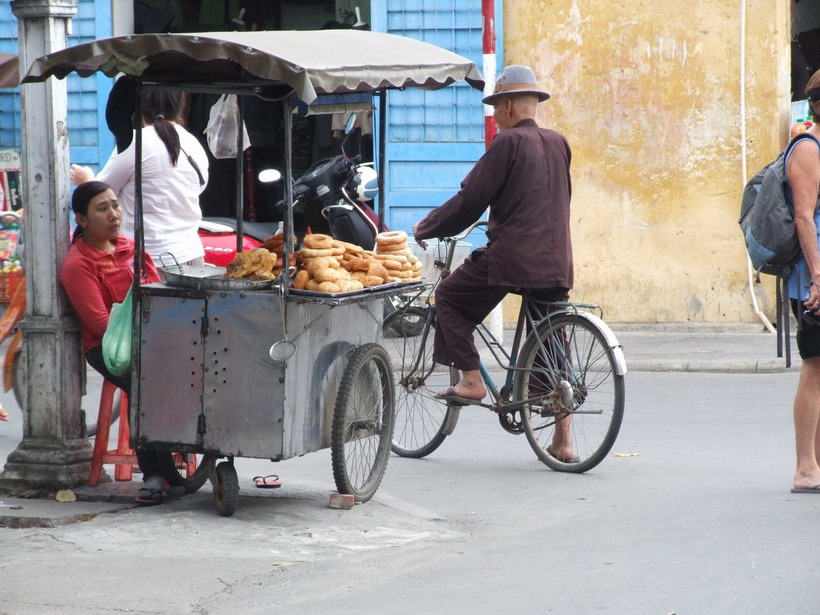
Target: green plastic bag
{"type": "Point", "coordinates": [116, 343]}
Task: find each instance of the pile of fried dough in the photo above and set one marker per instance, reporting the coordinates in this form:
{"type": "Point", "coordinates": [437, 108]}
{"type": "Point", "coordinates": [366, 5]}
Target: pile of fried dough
{"type": "Point", "coordinates": [262, 263]}
{"type": "Point", "coordinates": [328, 265]}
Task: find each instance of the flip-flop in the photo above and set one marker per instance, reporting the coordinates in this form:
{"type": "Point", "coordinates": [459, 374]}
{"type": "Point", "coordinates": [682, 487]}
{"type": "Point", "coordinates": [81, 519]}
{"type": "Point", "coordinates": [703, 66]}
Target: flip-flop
{"type": "Point", "coordinates": [4, 416]}
{"type": "Point", "coordinates": [815, 489]}
{"type": "Point", "coordinates": [453, 399]}
{"type": "Point", "coordinates": [150, 493]}
{"type": "Point", "coordinates": [271, 481]}
{"type": "Point", "coordinates": [570, 459]}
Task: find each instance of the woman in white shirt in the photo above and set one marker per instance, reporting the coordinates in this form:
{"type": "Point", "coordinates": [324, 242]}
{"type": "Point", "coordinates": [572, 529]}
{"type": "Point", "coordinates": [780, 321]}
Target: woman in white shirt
{"type": "Point", "coordinates": [174, 173]}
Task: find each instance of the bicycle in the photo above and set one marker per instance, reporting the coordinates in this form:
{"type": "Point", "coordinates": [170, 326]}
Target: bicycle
{"type": "Point", "coordinates": [564, 377]}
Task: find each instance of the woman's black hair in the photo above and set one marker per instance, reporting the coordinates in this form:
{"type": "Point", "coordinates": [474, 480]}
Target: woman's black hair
{"type": "Point", "coordinates": [160, 108]}
{"type": "Point", "coordinates": [81, 198]}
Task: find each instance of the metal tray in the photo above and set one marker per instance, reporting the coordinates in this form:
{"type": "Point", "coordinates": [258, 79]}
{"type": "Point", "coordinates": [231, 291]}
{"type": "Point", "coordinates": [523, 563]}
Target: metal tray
{"type": "Point", "coordinates": [203, 277]}
{"type": "Point", "coordinates": [348, 293]}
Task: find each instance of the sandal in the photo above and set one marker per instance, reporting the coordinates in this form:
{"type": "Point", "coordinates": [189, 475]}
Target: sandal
{"type": "Point", "coordinates": [271, 481]}
{"type": "Point", "coordinates": [570, 459]}
{"type": "Point", "coordinates": [151, 492]}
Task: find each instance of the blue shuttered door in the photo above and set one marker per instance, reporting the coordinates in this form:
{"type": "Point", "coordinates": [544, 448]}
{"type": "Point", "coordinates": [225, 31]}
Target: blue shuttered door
{"type": "Point", "coordinates": [433, 138]}
{"type": "Point", "coordinates": [89, 138]}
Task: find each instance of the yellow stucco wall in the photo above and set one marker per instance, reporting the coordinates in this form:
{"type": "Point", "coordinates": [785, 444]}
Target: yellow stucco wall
{"type": "Point", "coordinates": [648, 95]}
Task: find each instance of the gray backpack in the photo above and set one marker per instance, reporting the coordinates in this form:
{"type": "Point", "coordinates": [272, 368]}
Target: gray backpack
{"type": "Point", "coordinates": [767, 222]}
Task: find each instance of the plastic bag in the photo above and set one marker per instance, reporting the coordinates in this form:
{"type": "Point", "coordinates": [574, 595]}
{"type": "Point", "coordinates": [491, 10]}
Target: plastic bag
{"type": "Point", "coordinates": [116, 343]}
{"type": "Point", "coordinates": [223, 128]}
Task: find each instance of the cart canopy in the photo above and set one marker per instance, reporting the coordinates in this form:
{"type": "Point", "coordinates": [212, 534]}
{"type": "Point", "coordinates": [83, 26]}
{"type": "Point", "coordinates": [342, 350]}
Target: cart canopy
{"type": "Point", "coordinates": [272, 64]}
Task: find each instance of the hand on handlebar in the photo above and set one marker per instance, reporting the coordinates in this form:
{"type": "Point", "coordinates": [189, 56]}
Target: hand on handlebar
{"type": "Point", "coordinates": [420, 242]}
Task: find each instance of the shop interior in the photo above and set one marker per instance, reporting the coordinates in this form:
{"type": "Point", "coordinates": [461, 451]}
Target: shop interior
{"type": "Point", "coordinates": [805, 51]}
{"type": "Point", "coordinates": [314, 137]}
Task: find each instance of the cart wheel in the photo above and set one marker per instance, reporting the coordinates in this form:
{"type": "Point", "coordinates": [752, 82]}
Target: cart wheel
{"type": "Point", "coordinates": [226, 488]}
{"type": "Point", "coordinates": [363, 422]}
{"type": "Point", "coordinates": [193, 474]}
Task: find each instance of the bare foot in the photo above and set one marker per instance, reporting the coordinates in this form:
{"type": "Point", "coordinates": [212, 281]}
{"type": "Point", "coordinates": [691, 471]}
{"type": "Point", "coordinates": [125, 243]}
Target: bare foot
{"type": "Point", "coordinates": [806, 482]}
{"type": "Point", "coordinates": [470, 392]}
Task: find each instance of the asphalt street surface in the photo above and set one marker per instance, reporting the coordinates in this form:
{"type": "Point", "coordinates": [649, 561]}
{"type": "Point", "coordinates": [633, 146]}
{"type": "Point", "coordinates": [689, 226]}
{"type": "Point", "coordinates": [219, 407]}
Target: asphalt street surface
{"type": "Point", "coordinates": [690, 514]}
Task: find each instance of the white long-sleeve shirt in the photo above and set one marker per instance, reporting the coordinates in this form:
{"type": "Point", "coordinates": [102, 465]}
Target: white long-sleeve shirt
{"type": "Point", "coordinates": [170, 194]}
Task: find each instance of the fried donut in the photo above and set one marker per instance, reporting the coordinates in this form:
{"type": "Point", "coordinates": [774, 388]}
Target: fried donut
{"type": "Point", "coordinates": [359, 264]}
{"type": "Point", "coordinates": [391, 265]}
{"type": "Point", "coordinates": [326, 275]}
{"type": "Point", "coordinates": [318, 241]}
{"type": "Point", "coordinates": [377, 269]}
{"type": "Point", "coordinates": [371, 280]}
{"type": "Point", "coordinates": [388, 238]}
{"type": "Point", "coordinates": [313, 264]}
{"type": "Point", "coordinates": [401, 258]}
{"type": "Point", "coordinates": [315, 252]}
{"type": "Point", "coordinates": [336, 248]}
{"type": "Point", "coordinates": [301, 279]}
{"type": "Point", "coordinates": [329, 287]}
{"type": "Point", "coordinates": [349, 285]}
{"type": "Point", "coordinates": [352, 248]}
{"type": "Point", "coordinates": [393, 247]}
{"type": "Point", "coordinates": [312, 284]}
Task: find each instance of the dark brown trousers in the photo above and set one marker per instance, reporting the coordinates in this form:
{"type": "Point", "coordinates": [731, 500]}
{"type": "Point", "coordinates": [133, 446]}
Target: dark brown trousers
{"type": "Point", "coordinates": [465, 299]}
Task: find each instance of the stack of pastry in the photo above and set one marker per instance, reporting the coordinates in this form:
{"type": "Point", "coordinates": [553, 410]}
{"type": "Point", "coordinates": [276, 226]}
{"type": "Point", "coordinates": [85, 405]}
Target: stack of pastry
{"type": "Point", "coordinates": [393, 253]}
{"type": "Point", "coordinates": [331, 266]}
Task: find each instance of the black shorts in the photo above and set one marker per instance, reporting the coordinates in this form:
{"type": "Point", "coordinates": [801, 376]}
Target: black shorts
{"type": "Point", "coordinates": [808, 332]}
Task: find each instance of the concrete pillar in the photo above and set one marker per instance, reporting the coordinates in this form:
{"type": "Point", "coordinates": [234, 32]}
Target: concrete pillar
{"type": "Point", "coordinates": [54, 452]}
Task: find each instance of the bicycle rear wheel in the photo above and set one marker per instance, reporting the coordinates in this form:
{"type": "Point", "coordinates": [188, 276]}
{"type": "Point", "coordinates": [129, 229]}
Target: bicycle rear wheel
{"type": "Point", "coordinates": [422, 421]}
{"type": "Point", "coordinates": [574, 390]}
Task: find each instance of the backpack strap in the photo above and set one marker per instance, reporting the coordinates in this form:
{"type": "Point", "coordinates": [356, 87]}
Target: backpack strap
{"type": "Point", "coordinates": [783, 315]}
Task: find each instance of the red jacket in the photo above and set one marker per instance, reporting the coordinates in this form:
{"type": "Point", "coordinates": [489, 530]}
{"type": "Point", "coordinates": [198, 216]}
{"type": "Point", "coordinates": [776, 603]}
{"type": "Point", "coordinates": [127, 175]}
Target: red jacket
{"type": "Point", "coordinates": [95, 280]}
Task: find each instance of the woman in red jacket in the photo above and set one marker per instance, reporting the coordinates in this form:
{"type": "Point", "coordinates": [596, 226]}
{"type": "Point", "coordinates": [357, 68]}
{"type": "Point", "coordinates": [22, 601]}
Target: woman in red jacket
{"type": "Point", "coordinates": [96, 273]}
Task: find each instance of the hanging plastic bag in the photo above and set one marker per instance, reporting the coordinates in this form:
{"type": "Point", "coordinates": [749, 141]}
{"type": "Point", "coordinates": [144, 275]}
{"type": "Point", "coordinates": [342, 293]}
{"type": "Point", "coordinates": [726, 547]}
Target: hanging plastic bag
{"type": "Point", "coordinates": [223, 128]}
{"type": "Point", "coordinates": [116, 343]}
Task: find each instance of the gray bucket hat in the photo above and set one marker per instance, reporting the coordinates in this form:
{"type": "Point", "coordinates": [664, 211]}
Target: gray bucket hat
{"type": "Point", "coordinates": [515, 80]}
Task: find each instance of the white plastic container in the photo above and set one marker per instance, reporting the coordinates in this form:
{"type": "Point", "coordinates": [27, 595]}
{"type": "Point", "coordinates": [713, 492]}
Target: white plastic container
{"type": "Point", "coordinates": [435, 251]}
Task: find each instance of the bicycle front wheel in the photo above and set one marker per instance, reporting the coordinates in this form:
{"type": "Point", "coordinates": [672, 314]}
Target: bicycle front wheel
{"type": "Point", "coordinates": [421, 419]}
{"type": "Point", "coordinates": [576, 396]}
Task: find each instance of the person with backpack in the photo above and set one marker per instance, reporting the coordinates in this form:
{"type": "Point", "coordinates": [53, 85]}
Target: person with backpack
{"type": "Point", "coordinates": [803, 187]}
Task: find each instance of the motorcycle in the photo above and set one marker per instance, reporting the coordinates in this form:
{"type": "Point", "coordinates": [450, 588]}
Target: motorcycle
{"type": "Point", "coordinates": [332, 197]}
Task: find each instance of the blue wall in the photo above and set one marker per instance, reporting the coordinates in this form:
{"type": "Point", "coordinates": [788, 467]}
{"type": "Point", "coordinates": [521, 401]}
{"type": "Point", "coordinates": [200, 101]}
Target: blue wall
{"type": "Point", "coordinates": [89, 139]}
{"type": "Point", "coordinates": [433, 138]}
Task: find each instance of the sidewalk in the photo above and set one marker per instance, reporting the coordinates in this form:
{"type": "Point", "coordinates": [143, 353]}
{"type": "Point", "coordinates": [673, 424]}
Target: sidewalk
{"type": "Point", "coordinates": [693, 347]}
{"type": "Point", "coordinates": [702, 347]}
{"type": "Point", "coordinates": [746, 348]}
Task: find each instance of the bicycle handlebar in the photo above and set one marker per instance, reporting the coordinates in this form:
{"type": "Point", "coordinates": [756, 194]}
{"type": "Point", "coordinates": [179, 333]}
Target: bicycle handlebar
{"type": "Point", "coordinates": [467, 231]}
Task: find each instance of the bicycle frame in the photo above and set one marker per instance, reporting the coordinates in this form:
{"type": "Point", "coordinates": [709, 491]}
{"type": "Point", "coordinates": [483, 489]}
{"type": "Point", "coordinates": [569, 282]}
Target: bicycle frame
{"type": "Point", "coordinates": [530, 319]}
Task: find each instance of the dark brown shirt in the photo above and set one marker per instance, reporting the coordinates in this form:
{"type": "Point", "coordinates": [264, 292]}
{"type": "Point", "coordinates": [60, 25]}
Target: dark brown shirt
{"type": "Point", "coordinates": [523, 178]}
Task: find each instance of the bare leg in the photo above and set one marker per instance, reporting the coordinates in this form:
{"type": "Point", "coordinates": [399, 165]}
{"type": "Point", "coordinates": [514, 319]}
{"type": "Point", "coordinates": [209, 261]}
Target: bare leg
{"type": "Point", "coordinates": [806, 415]}
{"type": "Point", "coordinates": [561, 446]}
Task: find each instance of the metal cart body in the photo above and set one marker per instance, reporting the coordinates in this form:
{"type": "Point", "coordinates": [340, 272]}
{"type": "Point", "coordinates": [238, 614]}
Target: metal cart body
{"type": "Point", "coordinates": [207, 383]}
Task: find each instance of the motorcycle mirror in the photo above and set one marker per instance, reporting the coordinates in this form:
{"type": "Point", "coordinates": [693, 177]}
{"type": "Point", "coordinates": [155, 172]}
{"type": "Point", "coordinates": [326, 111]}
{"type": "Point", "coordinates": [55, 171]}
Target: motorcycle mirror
{"type": "Point", "coordinates": [350, 124]}
{"type": "Point", "coordinates": [268, 176]}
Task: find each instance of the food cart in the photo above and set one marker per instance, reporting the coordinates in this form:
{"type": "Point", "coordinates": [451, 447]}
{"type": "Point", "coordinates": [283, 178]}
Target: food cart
{"type": "Point", "coordinates": [227, 368]}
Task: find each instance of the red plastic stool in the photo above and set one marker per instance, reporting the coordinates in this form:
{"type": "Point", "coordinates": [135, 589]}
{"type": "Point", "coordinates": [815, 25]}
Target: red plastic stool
{"type": "Point", "coordinates": [123, 457]}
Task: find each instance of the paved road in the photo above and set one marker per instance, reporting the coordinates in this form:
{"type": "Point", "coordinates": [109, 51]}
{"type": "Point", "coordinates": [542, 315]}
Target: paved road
{"type": "Point", "coordinates": [699, 521]}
